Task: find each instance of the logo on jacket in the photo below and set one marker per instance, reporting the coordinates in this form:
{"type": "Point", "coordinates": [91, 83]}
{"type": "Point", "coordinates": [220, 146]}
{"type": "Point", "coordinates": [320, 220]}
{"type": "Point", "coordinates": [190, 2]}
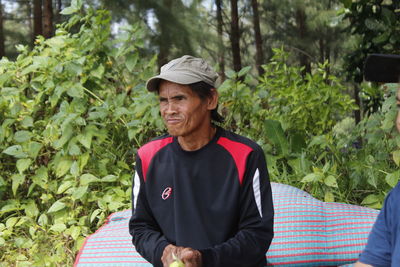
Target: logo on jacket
{"type": "Point", "coordinates": [166, 193]}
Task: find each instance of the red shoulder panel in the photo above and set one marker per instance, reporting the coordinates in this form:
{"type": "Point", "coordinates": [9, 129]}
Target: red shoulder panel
{"type": "Point", "coordinates": [147, 152]}
{"type": "Point", "coordinates": [239, 153]}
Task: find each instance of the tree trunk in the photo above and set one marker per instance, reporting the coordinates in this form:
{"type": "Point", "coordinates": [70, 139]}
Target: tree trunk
{"type": "Point", "coordinates": [58, 8]}
{"type": "Point", "coordinates": [302, 27]}
{"type": "Point", "coordinates": [235, 36]}
{"type": "Point", "coordinates": [2, 49]}
{"type": "Point", "coordinates": [164, 40]}
{"type": "Point", "coordinates": [258, 38]}
{"type": "Point", "coordinates": [48, 19]}
{"type": "Point", "coordinates": [221, 59]}
{"type": "Point", "coordinates": [37, 18]}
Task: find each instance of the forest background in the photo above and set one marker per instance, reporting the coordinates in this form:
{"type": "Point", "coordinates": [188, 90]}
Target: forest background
{"type": "Point", "coordinates": [74, 109]}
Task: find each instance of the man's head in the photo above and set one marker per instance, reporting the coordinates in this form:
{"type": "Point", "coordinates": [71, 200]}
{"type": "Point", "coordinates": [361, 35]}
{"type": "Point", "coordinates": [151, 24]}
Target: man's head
{"type": "Point", "coordinates": [384, 68]}
{"type": "Point", "coordinates": [188, 98]}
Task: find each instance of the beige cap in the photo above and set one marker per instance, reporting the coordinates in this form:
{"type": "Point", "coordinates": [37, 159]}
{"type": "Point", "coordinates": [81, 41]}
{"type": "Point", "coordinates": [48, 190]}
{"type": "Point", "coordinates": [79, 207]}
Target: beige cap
{"type": "Point", "coordinates": [184, 70]}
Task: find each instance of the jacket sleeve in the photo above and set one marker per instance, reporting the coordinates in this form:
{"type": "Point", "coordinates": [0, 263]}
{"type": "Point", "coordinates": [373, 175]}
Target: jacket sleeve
{"type": "Point", "coordinates": [255, 229]}
{"type": "Point", "coordinates": [146, 234]}
{"type": "Point", "coordinates": [378, 251]}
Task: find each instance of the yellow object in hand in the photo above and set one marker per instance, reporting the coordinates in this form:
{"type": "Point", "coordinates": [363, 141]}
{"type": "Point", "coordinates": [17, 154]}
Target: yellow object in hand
{"type": "Point", "coordinates": [177, 262]}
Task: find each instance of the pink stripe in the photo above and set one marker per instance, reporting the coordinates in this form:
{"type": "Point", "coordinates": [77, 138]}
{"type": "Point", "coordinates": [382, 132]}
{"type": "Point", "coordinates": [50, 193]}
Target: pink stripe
{"type": "Point", "coordinates": [329, 247]}
{"type": "Point", "coordinates": [319, 216]}
{"type": "Point", "coordinates": [309, 261]}
{"type": "Point", "coordinates": [98, 235]}
{"type": "Point", "coordinates": [105, 252]}
{"type": "Point", "coordinates": [325, 212]}
{"type": "Point", "coordinates": [131, 247]}
{"type": "Point", "coordinates": [313, 202]}
{"type": "Point", "coordinates": [321, 221]}
{"type": "Point", "coordinates": [328, 235]}
{"type": "Point", "coordinates": [115, 228]}
{"type": "Point", "coordinates": [322, 230]}
{"type": "Point", "coordinates": [111, 256]}
{"type": "Point", "coordinates": [313, 253]}
{"type": "Point", "coordinates": [318, 241]}
{"type": "Point", "coordinates": [94, 262]}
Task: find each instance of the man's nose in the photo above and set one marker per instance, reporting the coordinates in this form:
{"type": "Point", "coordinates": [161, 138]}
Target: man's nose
{"type": "Point", "coordinates": [170, 108]}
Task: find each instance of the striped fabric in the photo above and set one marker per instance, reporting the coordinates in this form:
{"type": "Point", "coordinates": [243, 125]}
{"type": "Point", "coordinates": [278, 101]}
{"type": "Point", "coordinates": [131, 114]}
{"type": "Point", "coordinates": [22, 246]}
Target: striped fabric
{"type": "Point", "coordinates": [308, 232]}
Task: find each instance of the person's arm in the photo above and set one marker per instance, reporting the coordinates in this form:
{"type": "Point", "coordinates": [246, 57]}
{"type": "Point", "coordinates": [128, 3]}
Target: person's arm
{"type": "Point", "coordinates": [360, 264]}
{"type": "Point", "coordinates": [378, 251]}
{"type": "Point", "coordinates": [255, 230]}
{"type": "Point", "coordinates": [146, 234]}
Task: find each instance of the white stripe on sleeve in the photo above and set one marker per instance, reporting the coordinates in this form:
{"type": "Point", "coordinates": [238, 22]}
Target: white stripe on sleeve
{"type": "Point", "coordinates": [136, 187]}
{"type": "Point", "coordinates": [256, 190]}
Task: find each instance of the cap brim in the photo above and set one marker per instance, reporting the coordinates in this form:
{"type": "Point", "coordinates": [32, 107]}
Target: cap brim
{"type": "Point", "coordinates": [382, 68]}
{"type": "Point", "coordinates": [176, 77]}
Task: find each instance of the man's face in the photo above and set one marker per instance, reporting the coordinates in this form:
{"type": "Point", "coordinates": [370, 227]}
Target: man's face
{"type": "Point", "coordinates": [183, 111]}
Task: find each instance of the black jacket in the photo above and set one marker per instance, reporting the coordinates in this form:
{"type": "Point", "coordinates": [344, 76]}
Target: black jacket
{"type": "Point", "coordinates": [216, 199]}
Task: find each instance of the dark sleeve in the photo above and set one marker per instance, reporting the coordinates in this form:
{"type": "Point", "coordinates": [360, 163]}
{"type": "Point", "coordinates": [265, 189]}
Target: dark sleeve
{"type": "Point", "coordinates": [255, 229]}
{"type": "Point", "coordinates": [378, 251]}
{"type": "Point", "coordinates": [146, 234]}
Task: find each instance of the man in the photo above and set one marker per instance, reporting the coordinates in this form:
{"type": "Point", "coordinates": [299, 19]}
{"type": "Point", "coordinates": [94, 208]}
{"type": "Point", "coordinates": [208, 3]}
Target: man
{"type": "Point", "coordinates": [383, 247]}
{"type": "Point", "coordinates": [201, 193]}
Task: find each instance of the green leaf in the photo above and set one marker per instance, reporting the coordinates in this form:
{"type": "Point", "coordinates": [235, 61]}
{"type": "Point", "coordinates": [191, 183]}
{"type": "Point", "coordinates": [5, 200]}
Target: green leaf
{"type": "Point", "coordinates": [43, 220]}
{"type": "Point", "coordinates": [68, 11]}
{"type": "Point", "coordinates": [75, 232]}
{"type": "Point", "coordinates": [58, 205]}
{"type": "Point", "coordinates": [41, 177]}
{"type": "Point", "coordinates": [396, 157]}
{"type": "Point", "coordinates": [371, 200]}
{"type": "Point", "coordinates": [27, 122]}
{"type": "Point", "coordinates": [109, 178]}
{"type": "Point", "coordinates": [63, 167]}
{"type": "Point", "coordinates": [94, 214]}
{"type": "Point", "coordinates": [275, 135]}
{"type": "Point", "coordinates": [77, 90]}
{"type": "Point", "coordinates": [15, 151]}
{"type": "Point", "coordinates": [131, 61]}
{"type": "Point", "coordinates": [311, 177]}
{"type": "Point", "coordinates": [244, 71]}
{"type": "Point", "coordinates": [31, 210]}
{"type": "Point", "coordinates": [80, 192]}
{"type": "Point", "coordinates": [85, 139]}
{"type": "Point", "coordinates": [74, 170]}
{"type": "Point", "coordinates": [17, 180]}
{"type": "Point", "coordinates": [23, 164]}
{"type": "Point", "coordinates": [59, 227]}
{"type": "Point", "coordinates": [392, 178]}
{"type": "Point", "coordinates": [87, 178]}
{"type": "Point", "coordinates": [64, 186]}
{"type": "Point", "coordinates": [34, 149]}
{"type": "Point", "coordinates": [11, 222]}
{"type": "Point", "coordinates": [329, 197]}
{"type": "Point", "coordinates": [331, 181]}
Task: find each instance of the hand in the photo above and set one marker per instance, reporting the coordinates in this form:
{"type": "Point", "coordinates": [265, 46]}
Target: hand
{"type": "Point", "coordinates": [167, 257]}
{"type": "Point", "coordinates": [190, 257]}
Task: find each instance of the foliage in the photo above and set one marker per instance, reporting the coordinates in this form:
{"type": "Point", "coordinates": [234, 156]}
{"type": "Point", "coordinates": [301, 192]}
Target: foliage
{"type": "Point", "coordinates": [72, 111]}
{"type": "Point", "coordinates": [310, 141]}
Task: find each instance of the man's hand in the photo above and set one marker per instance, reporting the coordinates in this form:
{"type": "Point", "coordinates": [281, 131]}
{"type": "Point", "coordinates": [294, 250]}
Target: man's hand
{"type": "Point", "coordinates": [189, 256]}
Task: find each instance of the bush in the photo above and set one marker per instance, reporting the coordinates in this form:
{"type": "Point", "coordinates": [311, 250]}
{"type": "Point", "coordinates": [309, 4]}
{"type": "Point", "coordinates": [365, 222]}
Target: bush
{"type": "Point", "coordinates": [73, 111]}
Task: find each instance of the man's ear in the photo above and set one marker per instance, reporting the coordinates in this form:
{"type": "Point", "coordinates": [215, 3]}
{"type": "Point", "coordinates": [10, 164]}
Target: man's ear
{"type": "Point", "coordinates": [212, 101]}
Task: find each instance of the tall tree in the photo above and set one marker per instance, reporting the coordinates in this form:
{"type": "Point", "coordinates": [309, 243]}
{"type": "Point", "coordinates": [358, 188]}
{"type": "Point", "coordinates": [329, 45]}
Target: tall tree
{"type": "Point", "coordinates": [258, 37]}
{"type": "Point", "coordinates": [235, 36]}
{"type": "Point", "coordinates": [302, 35]}
{"type": "Point", "coordinates": [48, 18]}
{"type": "Point", "coordinates": [37, 18]}
{"type": "Point", "coordinates": [2, 48]}
{"type": "Point", "coordinates": [220, 23]}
